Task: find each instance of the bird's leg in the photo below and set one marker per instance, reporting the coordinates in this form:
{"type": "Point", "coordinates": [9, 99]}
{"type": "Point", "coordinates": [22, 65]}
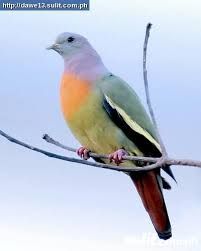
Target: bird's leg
{"type": "Point", "coordinates": [83, 152]}
{"type": "Point", "coordinates": [117, 156]}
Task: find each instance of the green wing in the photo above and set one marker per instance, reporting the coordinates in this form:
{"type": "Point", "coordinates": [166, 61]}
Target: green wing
{"type": "Point", "coordinates": [126, 110]}
{"type": "Point", "coordinates": [122, 101]}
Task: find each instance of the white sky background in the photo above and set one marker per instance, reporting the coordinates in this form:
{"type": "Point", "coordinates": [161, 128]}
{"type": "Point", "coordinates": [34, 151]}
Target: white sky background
{"type": "Point", "coordinates": [48, 204]}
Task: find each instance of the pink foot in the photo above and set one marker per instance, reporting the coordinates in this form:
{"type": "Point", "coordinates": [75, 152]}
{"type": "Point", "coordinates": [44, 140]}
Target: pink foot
{"type": "Point", "coordinates": [117, 157]}
{"type": "Point", "coordinates": [83, 152]}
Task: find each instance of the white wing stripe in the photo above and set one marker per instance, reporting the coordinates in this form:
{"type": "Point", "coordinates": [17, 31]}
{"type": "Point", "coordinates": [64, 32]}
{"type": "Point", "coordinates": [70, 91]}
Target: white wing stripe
{"type": "Point", "coordinates": [135, 126]}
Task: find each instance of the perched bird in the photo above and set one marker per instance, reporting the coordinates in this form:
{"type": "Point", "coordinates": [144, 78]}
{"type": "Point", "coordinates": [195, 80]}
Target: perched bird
{"type": "Point", "coordinates": [106, 116]}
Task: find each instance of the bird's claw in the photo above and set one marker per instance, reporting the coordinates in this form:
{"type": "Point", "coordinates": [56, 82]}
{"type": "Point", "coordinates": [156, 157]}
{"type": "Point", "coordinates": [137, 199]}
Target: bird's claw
{"type": "Point", "coordinates": [83, 152]}
{"type": "Point", "coordinates": [117, 156]}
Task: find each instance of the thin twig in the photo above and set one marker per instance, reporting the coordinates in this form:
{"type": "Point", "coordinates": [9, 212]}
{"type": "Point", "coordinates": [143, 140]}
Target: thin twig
{"type": "Point", "coordinates": [148, 99]}
{"type": "Point", "coordinates": [52, 141]}
{"type": "Point", "coordinates": [158, 162]}
{"type": "Point", "coordinates": [80, 161]}
{"type": "Point", "coordinates": [168, 161]}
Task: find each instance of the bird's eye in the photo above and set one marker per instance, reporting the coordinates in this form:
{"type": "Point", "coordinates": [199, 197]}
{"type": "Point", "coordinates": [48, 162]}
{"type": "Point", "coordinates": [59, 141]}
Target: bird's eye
{"type": "Point", "coordinates": [70, 39]}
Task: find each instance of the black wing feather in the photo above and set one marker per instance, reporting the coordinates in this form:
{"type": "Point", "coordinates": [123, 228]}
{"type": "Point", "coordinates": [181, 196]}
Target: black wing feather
{"type": "Point", "coordinates": [144, 145]}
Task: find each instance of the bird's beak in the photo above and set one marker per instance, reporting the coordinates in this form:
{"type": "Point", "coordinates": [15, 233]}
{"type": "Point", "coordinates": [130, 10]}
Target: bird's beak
{"type": "Point", "coordinates": [52, 47]}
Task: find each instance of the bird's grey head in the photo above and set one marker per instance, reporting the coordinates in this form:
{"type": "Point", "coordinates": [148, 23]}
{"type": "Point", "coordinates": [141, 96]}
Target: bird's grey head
{"type": "Point", "coordinates": [68, 44]}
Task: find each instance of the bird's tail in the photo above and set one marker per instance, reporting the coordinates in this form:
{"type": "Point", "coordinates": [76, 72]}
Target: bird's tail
{"type": "Point", "coordinates": [149, 187]}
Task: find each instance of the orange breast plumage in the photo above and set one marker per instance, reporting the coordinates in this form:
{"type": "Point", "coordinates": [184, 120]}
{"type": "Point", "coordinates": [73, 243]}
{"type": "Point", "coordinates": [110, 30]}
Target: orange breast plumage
{"type": "Point", "coordinates": [73, 94]}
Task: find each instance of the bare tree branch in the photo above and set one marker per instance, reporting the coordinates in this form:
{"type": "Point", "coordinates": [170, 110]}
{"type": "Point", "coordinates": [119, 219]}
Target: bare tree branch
{"type": "Point", "coordinates": [85, 162]}
{"type": "Point", "coordinates": [148, 99]}
{"type": "Point", "coordinates": [158, 162]}
{"type": "Point", "coordinates": [168, 161]}
{"type": "Point", "coordinates": [50, 140]}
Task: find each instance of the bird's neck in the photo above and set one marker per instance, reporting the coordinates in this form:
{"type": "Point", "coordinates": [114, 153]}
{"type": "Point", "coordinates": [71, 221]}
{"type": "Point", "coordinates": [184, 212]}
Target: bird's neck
{"type": "Point", "coordinates": [85, 65]}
